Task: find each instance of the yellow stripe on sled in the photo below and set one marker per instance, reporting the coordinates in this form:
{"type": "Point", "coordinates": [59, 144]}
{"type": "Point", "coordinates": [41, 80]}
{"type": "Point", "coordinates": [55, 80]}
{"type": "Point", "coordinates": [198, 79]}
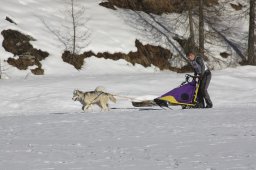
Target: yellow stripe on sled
{"type": "Point", "coordinates": [173, 101]}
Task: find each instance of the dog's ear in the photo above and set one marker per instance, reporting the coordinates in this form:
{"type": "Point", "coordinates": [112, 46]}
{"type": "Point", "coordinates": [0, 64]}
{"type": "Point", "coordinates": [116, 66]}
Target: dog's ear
{"type": "Point", "coordinates": [75, 91]}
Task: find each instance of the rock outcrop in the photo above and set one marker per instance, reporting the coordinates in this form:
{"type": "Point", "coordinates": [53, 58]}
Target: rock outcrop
{"type": "Point", "coordinates": [145, 55]}
{"type": "Point", "coordinates": [25, 54]}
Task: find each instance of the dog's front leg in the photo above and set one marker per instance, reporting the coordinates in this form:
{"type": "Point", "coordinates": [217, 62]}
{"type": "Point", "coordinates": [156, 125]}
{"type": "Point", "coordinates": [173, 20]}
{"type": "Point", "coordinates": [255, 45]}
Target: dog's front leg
{"type": "Point", "coordinates": [87, 106]}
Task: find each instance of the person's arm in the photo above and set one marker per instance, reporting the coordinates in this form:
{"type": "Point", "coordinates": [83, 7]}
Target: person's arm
{"type": "Point", "coordinates": [195, 73]}
{"type": "Point", "coordinates": [200, 61]}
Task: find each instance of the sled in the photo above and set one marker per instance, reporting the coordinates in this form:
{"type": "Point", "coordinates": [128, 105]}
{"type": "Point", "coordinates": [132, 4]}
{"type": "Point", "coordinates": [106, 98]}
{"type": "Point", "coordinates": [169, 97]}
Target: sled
{"type": "Point", "coordinates": [144, 103]}
{"type": "Point", "coordinates": [186, 96]}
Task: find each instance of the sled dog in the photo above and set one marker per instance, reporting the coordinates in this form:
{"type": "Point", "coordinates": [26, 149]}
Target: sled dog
{"type": "Point", "coordinates": [97, 97]}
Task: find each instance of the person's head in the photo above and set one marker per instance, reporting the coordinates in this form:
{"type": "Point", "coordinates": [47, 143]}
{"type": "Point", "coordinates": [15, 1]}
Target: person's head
{"type": "Point", "coordinates": [191, 56]}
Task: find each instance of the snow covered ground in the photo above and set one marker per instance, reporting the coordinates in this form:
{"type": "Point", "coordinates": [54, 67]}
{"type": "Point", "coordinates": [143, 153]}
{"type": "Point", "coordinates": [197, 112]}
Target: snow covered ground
{"type": "Point", "coordinates": [42, 128]}
{"type": "Point", "coordinates": [214, 139]}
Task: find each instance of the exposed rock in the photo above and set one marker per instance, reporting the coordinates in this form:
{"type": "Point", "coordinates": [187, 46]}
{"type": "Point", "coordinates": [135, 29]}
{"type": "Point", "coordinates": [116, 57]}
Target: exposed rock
{"type": "Point", "coordinates": [76, 60]}
{"type": "Point", "coordinates": [38, 54]}
{"type": "Point", "coordinates": [210, 3]}
{"type": "Point", "coordinates": [237, 7]}
{"type": "Point", "coordinates": [186, 44]}
{"type": "Point", "coordinates": [20, 63]}
{"type": "Point", "coordinates": [15, 42]}
{"type": "Point", "coordinates": [107, 5]}
{"type": "Point", "coordinates": [153, 6]}
{"type": "Point", "coordinates": [224, 54]}
{"type": "Point", "coordinates": [145, 55]}
{"type": "Point", "coordinates": [19, 45]}
{"type": "Point", "coordinates": [38, 71]}
{"type": "Point", "coordinates": [185, 69]}
{"type": "Point", "coordinates": [10, 20]}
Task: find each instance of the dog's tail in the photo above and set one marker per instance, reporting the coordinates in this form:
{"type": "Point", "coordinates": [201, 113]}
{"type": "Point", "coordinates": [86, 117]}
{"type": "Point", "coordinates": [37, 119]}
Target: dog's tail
{"type": "Point", "coordinates": [112, 98]}
{"type": "Point", "coordinates": [100, 89]}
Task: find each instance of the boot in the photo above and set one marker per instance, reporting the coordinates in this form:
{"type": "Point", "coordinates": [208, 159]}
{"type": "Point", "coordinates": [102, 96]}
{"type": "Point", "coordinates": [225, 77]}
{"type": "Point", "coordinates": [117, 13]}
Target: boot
{"type": "Point", "coordinates": [209, 104]}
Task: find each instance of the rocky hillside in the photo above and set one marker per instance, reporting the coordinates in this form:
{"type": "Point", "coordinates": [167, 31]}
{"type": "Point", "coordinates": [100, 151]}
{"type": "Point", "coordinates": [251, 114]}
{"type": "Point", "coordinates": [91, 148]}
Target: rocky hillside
{"type": "Point", "coordinates": [147, 32]}
{"type": "Point", "coordinates": [223, 48]}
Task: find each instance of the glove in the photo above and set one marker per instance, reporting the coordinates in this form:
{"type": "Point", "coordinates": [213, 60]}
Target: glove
{"type": "Point", "coordinates": [200, 77]}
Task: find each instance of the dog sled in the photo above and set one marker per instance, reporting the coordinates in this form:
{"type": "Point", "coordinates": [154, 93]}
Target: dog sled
{"type": "Point", "coordinates": [186, 96]}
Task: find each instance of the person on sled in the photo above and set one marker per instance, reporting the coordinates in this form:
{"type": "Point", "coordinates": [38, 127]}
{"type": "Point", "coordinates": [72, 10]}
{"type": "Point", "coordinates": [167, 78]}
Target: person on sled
{"type": "Point", "coordinates": [202, 71]}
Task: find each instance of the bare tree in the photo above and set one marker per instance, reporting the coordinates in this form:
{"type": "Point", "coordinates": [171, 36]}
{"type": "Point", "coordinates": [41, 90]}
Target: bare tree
{"type": "Point", "coordinates": [210, 21]}
{"type": "Point", "coordinates": [198, 26]}
{"type": "Point", "coordinates": [191, 25]}
{"type": "Point", "coordinates": [1, 72]}
{"type": "Point", "coordinates": [74, 23]}
{"type": "Point", "coordinates": [76, 31]}
{"type": "Point", "coordinates": [201, 26]}
{"type": "Point", "coordinates": [152, 26]}
{"type": "Point", "coordinates": [73, 34]}
{"type": "Point", "coordinates": [222, 32]}
{"type": "Point", "coordinates": [251, 37]}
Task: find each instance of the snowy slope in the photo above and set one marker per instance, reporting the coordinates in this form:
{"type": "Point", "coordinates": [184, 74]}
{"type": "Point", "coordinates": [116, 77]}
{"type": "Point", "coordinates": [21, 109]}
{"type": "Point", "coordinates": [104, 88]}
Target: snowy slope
{"type": "Point", "coordinates": [111, 31]}
{"type": "Point", "coordinates": [42, 128]}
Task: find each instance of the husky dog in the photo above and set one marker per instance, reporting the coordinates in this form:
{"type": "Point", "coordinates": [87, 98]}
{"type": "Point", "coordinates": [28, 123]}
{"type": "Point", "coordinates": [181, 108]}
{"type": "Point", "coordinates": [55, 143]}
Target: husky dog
{"type": "Point", "coordinates": [98, 97]}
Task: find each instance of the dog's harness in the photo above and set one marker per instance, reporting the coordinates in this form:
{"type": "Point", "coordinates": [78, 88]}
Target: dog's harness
{"type": "Point", "coordinates": [94, 98]}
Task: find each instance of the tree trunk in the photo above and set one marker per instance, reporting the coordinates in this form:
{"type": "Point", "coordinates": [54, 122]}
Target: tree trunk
{"type": "Point", "coordinates": [1, 69]}
{"type": "Point", "coordinates": [191, 26]}
{"type": "Point", "coordinates": [201, 27]}
{"type": "Point", "coordinates": [251, 38]}
{"type": "Point", "coordinates": [74, 28]}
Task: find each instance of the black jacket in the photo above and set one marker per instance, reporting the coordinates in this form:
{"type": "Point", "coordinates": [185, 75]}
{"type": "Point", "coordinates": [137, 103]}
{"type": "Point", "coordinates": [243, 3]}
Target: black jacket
{"type": "Point", "coordinates": [199, 66]}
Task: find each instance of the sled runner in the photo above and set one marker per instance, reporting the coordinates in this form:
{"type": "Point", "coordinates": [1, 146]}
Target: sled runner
{"type": "Point", "coordinates": [186, 95]}
{"type": "Point", "coordinates": [145, 103]}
